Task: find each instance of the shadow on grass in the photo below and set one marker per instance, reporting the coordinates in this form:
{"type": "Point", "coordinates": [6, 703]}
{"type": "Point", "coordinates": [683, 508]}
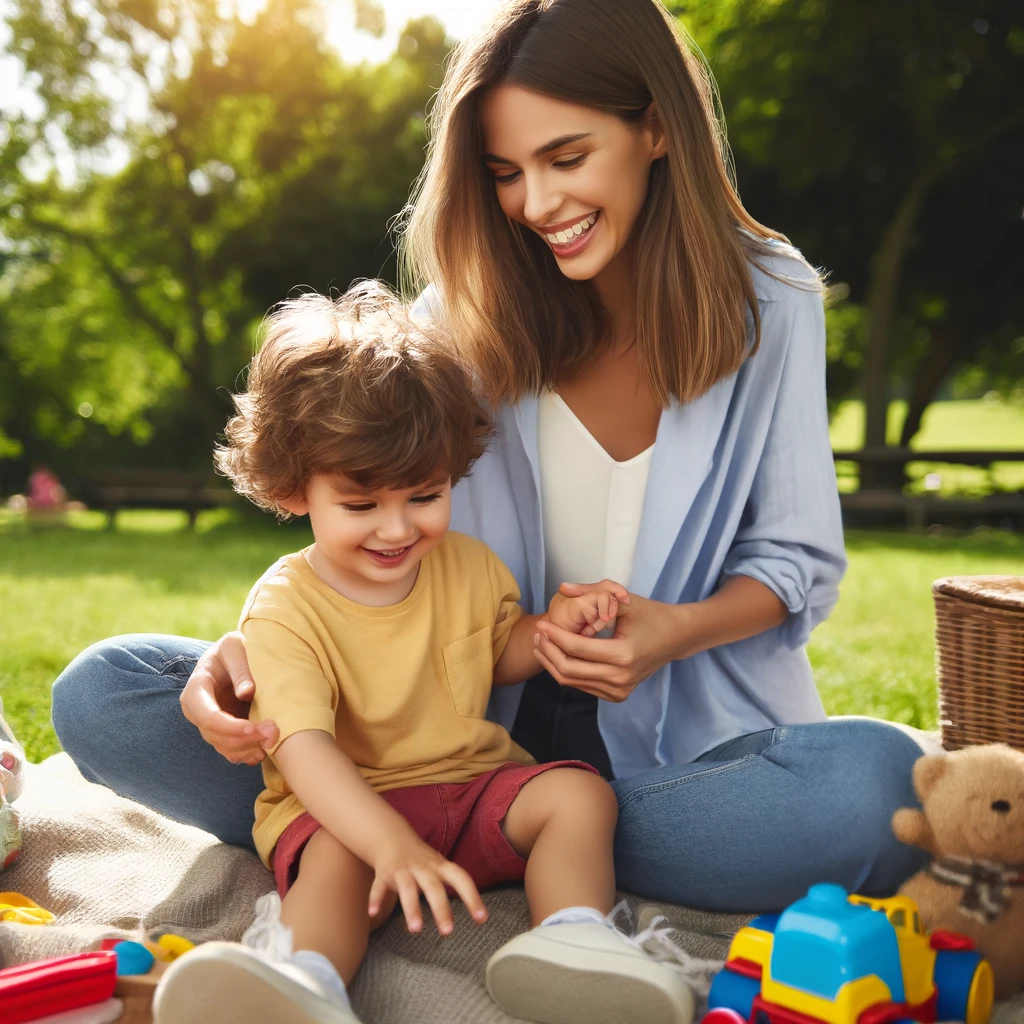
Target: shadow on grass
{"type": "Point", "coordinates": [981, 542]}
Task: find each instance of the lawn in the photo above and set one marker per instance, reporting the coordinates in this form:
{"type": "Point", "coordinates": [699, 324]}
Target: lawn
{"type": "Point", "coordinates": [62, 589]}
{"type": "Point", "coordinates": [985, 424]}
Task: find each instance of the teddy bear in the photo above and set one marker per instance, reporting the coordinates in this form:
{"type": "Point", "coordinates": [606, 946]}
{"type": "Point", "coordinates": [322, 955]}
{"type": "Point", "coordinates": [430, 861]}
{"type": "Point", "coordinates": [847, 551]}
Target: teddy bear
{"type": "Point", "coordinates": [972, 823]}
{"type": "Point", "coordinates": [12, 774]}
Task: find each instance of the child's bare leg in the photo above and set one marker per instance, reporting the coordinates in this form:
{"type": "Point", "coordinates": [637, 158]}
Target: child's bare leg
{"type": "Point", "coordinates": [576, 968]}
{"type": "Point", "coordinates": [563, 822]}
{"type": "Point", "coordinates": [256, 980]}
{"type": "Point", "coordinates": [326, 907]}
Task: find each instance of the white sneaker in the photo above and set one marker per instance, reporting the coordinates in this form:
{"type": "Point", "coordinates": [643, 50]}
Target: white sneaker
{"type": "Point", "coordinates": [249, 982]}
{"type": "Point", "coordinates": [585, 973]}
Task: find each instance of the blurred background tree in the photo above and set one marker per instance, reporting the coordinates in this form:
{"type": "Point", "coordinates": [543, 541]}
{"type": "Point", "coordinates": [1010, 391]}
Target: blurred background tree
{"type": "Point", "coordinates": [129, 297]}
{"type": "Point", "coordinates": [887, 140]}
{"type": "Point", "coordinates": [186, 167]}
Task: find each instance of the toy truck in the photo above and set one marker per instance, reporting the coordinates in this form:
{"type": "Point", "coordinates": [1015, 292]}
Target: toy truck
{"type": "Point", "coordinates": [830, 958]}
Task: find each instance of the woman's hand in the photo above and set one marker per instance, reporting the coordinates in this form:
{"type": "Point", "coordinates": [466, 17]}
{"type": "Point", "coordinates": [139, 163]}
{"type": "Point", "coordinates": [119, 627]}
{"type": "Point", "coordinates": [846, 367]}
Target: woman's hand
{"type": "Point", "coordinates": [216, 701]}
{"type": "Point", "coordinates": [648, 634]}
{"type": "Point", "coordinates": [408, 866]}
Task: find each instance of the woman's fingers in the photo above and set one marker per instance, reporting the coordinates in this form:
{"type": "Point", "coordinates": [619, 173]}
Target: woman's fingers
{"type": "Point", "coordinates": [568, 667]}
{"type": "Point", "coordinates": [216, 701]}
{"type": "Point", "coordinates": [269, 734]}
{"type": "Point", "coordinates": [613, 651]}
{"type": "Point", "coordinates": [231, 651]}
{"type": "Point", "coordinates": [597, 689]}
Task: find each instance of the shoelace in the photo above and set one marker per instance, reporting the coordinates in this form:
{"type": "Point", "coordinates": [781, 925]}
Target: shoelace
{"type": "Point", "coordinates": [657, 943]}
{"type": "Point", "coordinates": [267, 935]}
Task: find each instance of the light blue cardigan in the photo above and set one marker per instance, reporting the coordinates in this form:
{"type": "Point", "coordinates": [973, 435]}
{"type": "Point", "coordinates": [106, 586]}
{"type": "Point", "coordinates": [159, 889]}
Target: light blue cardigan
{"type": "Point", "coordinates": [742, 483]}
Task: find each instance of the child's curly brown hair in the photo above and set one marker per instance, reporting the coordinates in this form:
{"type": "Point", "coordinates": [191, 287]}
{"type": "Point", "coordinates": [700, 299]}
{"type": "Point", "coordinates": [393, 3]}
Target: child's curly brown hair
{"type": "Point", "coordinates": [351, 385]}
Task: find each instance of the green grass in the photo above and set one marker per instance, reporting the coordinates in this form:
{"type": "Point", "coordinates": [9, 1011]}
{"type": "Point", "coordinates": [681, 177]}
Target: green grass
{"type": "Point", "coordinates": [983, 424]}
{"type": "Point", "coordinates": [875, 654]}
{"type": "Point", "coordinates": [62, 589]}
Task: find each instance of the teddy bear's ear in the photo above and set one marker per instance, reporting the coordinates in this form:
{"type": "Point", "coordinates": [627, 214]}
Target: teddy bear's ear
{"type": "Point", "coordinates": [927, 771]}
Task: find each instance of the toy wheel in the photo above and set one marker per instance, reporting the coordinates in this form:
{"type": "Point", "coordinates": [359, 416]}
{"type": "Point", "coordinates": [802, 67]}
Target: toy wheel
{"type": "Point", "coordinates": [735, 992]}
{"type": "Point", "coordinates": [981, 995]}
{"type": "Point", "coordinates": [723, 1016]}
{"type": "Point", "coordinates": [966, 987]}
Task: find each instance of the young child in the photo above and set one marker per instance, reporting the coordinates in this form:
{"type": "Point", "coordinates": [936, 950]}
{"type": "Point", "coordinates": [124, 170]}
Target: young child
{"type": "Point", "coordinates": [374, 651]}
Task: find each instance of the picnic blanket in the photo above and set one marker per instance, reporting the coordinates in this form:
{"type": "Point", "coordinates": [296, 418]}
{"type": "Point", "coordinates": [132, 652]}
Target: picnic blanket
{"type": "Point", "coordinates": [106, 866]}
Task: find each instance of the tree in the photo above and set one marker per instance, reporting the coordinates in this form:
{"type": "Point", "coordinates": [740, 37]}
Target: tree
{"type": "Point", "coordinates": [262, 163]}
{"type": "Point", "coordinates": [849, 122]}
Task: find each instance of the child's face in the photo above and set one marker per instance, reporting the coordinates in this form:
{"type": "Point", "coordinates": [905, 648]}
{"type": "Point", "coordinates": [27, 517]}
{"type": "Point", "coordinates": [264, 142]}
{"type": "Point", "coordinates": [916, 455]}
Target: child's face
{"type": "Point", "coordinates": [369, 543]}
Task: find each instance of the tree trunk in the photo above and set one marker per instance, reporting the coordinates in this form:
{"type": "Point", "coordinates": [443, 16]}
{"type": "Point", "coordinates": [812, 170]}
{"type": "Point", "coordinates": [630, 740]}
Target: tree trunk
{"type": "Point", "coordinates": [883, 289]}
{"type": "Point", "coordinates": [930, 374]}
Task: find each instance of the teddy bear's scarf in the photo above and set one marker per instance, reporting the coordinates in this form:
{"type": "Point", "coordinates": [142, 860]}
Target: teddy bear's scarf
{"type": "Point", "coordinates": [986, 883]}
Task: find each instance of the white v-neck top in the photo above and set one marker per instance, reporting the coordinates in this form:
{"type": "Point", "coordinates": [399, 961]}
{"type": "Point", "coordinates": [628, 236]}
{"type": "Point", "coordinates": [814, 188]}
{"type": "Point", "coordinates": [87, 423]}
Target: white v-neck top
{"type": "Point", "coordinates": [591, 504]}
{"type": "Point", "coordinates": [742, 483]}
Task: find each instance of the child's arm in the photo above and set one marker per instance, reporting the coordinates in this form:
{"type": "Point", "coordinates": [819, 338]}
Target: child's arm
{"type": "Point", "coordinates": [587, 615]}
{"type": "Point", "coordinates": [518, 662]}
{"type": "Point", "coordinates": [331, 789]}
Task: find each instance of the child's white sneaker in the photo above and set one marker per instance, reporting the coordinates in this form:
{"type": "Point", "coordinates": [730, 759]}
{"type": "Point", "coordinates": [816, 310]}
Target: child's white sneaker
{"type": "Point", "coordinates": [256, 981]}
{"type": "Point", "coordinates": [583, 971]}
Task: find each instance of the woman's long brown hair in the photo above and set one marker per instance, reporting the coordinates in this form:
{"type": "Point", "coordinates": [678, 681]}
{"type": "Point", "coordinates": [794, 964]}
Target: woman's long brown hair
{"type": "Point", "coordinates": [521, 322]}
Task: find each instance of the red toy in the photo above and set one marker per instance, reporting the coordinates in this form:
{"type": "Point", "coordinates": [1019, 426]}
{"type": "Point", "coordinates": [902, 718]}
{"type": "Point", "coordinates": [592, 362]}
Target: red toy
{"type": "Point", "coordinates": [31, 991]}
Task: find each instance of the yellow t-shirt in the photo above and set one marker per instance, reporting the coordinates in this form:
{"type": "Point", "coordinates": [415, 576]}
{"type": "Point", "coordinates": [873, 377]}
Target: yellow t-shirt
{"type": "Point", "coordinates": [403, 689]}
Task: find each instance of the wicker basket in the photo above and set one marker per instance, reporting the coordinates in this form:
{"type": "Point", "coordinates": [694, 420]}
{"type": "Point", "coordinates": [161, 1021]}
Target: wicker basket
{"type": "Point", "coordinates": [979, 656]}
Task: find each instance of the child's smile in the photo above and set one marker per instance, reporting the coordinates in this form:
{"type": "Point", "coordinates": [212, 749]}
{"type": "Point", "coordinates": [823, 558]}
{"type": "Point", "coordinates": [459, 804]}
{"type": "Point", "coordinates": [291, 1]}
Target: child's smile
{"type": "Point", "coordinates": [389, 558]}
{"type": "Point", "coordinates": [370, 541]}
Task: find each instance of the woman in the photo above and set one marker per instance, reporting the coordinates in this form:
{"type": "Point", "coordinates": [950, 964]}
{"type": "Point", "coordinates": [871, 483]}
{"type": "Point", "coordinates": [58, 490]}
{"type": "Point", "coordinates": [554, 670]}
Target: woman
{"type": "Point", "coordinates": [656, 361]}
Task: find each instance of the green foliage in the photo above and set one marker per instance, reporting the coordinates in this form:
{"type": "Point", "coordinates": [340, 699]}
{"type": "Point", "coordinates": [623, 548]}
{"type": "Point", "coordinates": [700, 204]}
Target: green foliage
{"type": "Point", "coordinates": [242, 158]}
{"type": "Point", "coordinates": [131, 290]}
{"type": "Point", "coordinates": [841, 115]}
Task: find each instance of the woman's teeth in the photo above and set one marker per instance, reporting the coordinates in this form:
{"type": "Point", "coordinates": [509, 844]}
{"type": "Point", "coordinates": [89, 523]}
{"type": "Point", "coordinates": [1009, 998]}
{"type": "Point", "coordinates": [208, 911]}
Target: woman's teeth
{"type": "Point", "coordinates": [572, 233]}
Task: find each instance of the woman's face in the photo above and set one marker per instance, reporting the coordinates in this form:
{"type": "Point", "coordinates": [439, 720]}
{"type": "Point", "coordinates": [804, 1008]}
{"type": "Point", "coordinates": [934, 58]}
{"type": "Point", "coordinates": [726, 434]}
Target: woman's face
{"type": "Point", "coordinates": [575, 176]}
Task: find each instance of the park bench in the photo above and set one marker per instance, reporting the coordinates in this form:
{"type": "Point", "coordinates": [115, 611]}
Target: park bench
{"type": "Point", "coordinates": [115, 489]}
{"type": "Point", "coordinates": [920, 510]}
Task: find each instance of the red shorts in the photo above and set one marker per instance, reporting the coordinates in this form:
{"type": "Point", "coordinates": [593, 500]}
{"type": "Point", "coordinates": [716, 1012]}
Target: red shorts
{"type": "Point", "coordinates": [461, 820]}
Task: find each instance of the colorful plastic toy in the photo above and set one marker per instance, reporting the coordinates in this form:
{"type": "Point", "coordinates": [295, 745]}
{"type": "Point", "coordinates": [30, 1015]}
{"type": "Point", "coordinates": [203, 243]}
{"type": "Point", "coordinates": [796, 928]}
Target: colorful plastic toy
{"type": "Point", "coordinates": [31, 991]}
{"type": "Point", "coordinates": [132, 958]}
{"type": "Point", "coordinates": [830, 958]}
{"type": "Point", "coordinates": [12, 779]}
{"type": "Point", "coordinates": [21, 910]}
{"type": "Point", "coordinates": [173, 946]}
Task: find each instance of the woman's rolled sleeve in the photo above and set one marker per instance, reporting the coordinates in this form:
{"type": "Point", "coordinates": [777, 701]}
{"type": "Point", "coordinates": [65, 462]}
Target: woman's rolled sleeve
{"type": "Point", "coordinates": [790, 536]}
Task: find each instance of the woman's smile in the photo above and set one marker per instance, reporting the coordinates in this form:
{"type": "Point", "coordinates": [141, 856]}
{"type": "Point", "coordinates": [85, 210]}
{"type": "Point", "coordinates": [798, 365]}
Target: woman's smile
{"type": "Point", "coordinates": [573, 238]}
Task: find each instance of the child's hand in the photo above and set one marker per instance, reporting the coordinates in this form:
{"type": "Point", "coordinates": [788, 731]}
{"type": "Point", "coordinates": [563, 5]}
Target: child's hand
{"type": "Point", "coordinates": [408, 866]}
{"type": "Point", "coordinates": [587, 614]}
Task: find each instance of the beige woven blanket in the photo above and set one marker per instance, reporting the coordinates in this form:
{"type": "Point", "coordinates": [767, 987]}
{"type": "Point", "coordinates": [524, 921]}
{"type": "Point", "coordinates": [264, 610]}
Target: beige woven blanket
{"type": "Point", "coordinates": [109, 867]}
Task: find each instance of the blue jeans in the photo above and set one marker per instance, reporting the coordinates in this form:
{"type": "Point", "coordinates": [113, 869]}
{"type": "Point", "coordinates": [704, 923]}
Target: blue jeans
{"type": "Point", "coordinates": [747, 827]}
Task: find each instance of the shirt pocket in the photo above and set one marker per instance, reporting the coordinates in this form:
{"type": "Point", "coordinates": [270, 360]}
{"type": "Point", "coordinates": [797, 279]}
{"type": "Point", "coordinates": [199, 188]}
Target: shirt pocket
{"type": "Point", "coordinates": [469, 668]}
